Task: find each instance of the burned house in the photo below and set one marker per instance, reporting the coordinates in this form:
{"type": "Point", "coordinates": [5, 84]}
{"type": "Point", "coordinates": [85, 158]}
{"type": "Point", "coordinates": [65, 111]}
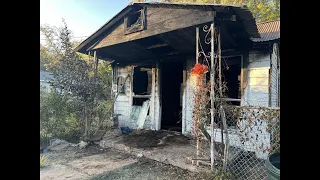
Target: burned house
{"type": "Point", "coordinates": [152, 47]}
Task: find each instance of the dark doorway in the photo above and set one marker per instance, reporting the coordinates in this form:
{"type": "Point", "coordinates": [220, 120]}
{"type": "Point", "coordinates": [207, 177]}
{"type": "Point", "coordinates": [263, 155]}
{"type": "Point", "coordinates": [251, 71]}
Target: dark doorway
{"type": "Point", "coordinates": [171, 80]}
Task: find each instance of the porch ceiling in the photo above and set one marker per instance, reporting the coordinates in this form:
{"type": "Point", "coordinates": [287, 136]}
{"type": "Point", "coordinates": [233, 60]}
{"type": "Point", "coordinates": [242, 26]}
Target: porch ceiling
{"type": "Point", "coordinates": [172, 44]}
{"type": "Point", "coordinates": [179, 41]}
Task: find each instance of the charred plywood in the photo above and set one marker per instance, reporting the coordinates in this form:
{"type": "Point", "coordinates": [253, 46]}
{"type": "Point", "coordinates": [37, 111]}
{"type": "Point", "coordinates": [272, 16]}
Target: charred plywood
{"type": "Point", "coordinates": [158, 20]}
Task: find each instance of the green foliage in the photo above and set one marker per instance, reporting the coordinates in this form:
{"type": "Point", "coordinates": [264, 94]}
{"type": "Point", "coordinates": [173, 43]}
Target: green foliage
{"type": "Point", "coordinates": [105, 74]}
{"type": "Point", "coordinates": [42, 66]}
{"type": "Point", "coordinates": [72, 122]}
{"type": "Point", "coordinates": [43, 161]}
{"type": "Point", "coordinates": [58, 118]}
{"type": "Point", "coordinates": [264, 10]}
{"type": "Point", "coordinates": [101, 111]}
{"type": "Point", "coordinates": [81, 101]}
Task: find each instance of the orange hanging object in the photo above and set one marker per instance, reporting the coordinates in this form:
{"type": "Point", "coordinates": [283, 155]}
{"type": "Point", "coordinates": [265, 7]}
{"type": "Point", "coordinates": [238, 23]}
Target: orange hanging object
{"type": "Point", "coordinates": [196, 74]}
{"type": "Point", "coordinates": [199, 69]}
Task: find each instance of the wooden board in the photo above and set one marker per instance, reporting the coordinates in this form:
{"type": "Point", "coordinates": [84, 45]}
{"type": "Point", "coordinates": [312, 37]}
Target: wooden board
{"type": "Point", "coordinates": [143, 114]}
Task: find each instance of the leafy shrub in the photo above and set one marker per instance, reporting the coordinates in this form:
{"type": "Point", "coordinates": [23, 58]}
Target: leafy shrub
{"type": "Point", "coordinates": [58, 118]}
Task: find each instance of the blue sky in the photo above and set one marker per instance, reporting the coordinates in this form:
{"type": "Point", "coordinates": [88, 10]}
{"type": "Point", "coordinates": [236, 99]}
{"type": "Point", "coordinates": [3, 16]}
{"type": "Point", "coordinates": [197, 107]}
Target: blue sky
{"type": "Point", "coordinates": [83, 17]}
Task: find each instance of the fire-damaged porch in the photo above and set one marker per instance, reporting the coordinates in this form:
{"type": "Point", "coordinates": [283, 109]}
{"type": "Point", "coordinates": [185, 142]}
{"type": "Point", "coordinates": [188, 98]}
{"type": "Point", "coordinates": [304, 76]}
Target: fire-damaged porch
{"type": "Point", "coordinates": [153, 49]}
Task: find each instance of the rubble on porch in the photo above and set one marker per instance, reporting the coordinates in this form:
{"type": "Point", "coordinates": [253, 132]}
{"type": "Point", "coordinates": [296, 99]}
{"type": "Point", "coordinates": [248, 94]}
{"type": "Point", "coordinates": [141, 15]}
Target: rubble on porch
{"type": "Point", "coordinates": [163, 146]}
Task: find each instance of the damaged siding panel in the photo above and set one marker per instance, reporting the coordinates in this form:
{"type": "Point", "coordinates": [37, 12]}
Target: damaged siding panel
{"type": "Point", "coordinates": [258, 73]}
{"type": "Point", "coordinates": [257, 91]}
{"type": "Point", "coordinates": [122, 105]}
{"type": "Point", "coordinates": [122, 98]}
{"type": "Point", "coordinates": [188, 98]}
{"type": "Point", "coordinates": [259, 81]}
{"type": "Point", "coordinates": [123, 110]}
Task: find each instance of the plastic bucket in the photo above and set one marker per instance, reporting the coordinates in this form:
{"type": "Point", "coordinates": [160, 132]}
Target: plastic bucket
{"type": "Point", "coordinates": [273, 166]}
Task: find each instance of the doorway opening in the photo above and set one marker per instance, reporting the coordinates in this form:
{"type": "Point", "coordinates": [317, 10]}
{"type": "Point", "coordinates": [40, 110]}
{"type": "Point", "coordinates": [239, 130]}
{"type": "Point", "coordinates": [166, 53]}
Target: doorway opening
{"type": "Point", "coordinates": [171, 83]}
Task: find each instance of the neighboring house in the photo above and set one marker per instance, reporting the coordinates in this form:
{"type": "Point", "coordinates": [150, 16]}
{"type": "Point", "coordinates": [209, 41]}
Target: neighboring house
{"type": "Point", "coordinates": [45, 78]}
{"type": "Point", "coordinates": [152, 47]}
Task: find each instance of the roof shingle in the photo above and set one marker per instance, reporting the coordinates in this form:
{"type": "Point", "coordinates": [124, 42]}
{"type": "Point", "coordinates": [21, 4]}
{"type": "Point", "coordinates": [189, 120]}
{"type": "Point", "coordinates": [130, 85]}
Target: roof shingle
{"type": "Point", "coordinates": [268, 31]}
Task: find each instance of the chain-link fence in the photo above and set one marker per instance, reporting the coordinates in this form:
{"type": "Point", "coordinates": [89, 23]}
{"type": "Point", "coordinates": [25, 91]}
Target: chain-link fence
{"type": "Point", "coordinates": [243, 142]}
{"type": "Point", "coordinates": [245, 132]}
{"type": "Point", "coordinates": [252, 134]}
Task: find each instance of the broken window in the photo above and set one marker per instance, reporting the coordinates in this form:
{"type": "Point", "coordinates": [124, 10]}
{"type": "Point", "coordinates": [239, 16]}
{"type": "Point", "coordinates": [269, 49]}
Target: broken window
{"type": "Point", "coordinates": [139, 101]}
{"type": "Point", "coordinates": [142, 81]}
{"type": "Point", "coordinates": [140, 109]}
{"type": "Point", "coordinates": [231, 80]}
{"type": "Point", "coordinates": [135, 21]}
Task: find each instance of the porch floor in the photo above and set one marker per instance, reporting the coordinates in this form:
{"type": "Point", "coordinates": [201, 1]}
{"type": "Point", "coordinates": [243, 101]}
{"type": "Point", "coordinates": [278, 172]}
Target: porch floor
{"type": "Point", "coordinates": [163, 146]}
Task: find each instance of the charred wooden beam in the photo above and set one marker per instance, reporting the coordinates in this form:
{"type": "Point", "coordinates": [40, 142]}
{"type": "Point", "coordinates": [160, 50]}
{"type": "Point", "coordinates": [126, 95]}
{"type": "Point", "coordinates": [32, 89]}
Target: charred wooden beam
{"type": "Point", "coordinates": [172, 53]}
{"type": "Point", "coordinates": [226, 17]}
{"type": "Point", "coordinates": [176, 42]}
{"type": "Point", "coordinates": [157, 46]}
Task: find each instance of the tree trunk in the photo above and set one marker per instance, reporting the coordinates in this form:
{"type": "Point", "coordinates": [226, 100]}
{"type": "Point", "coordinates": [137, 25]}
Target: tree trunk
{"type": "Point", "coordinates": [86, 130]}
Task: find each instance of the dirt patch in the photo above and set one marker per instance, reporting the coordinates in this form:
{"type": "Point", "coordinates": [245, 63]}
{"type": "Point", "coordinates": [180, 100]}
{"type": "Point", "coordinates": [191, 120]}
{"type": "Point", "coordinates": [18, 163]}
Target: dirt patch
{"type": "Point", "coordinates": [59, 171]}
{"type": "Point", "coordinates": [97, 163]}
{"type": "Point", "coordinates": [148, 169]}
{"type": "Point", "coordinates": [177, 139]}
{"type": "Point", "coordinates": [147, 139]}
{"type": "Point", "coordinates": [92, 150]}
{"type": "Point", "coordinates": [74, 163]}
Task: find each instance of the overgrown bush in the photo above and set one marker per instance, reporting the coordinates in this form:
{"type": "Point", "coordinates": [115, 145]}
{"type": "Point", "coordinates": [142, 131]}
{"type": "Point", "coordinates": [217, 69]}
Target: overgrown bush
{"type": "Point", "coordinates": [58, 118]}
{"type": "Point", "coordinates": [101, 115]}
{"type": "Point", "coordinates": [80, 102]}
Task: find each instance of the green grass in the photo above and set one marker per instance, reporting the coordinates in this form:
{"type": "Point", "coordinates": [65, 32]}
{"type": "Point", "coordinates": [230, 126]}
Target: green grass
{"type": "Point", "coordinates": [43, 161]}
